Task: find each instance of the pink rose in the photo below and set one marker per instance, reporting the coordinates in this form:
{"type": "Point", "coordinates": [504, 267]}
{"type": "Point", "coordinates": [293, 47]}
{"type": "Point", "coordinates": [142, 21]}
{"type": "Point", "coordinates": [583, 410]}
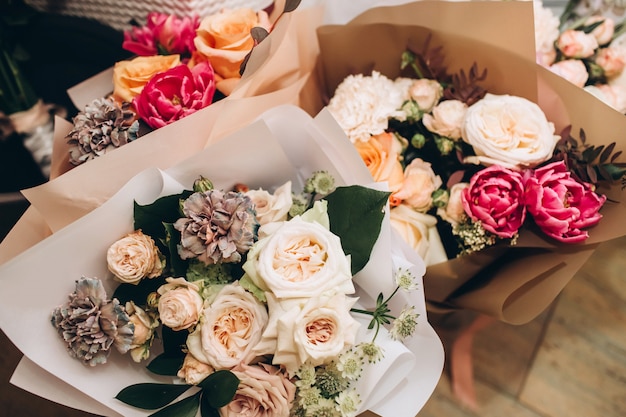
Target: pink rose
{"type": "Point", "coordinates": [176, 93]}
{"type": "Point", "coordinates": [611, 60]}
{"type": "Point", "coordinates": [577, 44]}
{"type": "Point", "coordinates": [603, 32]}
{"type": "Point", "coordinates": [572, 70]}
{"type": "Point", "coordinates": [495, 197]}
{"type": "Point", "coordinates": [263, 391]}
{"type": "Point", "coordinates": [560, 205]}
{"type": "Point", "coordinates": [163, 34]}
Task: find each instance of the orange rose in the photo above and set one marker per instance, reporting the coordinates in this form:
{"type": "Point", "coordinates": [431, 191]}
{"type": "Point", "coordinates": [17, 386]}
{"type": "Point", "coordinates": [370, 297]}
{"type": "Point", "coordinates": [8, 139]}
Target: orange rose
{"type": "Point", "coordinates": [381, 154]}
{"type": "Point", "coordinates": [224, 39]}
{"type": "Point", "coordinates": [129, 77]}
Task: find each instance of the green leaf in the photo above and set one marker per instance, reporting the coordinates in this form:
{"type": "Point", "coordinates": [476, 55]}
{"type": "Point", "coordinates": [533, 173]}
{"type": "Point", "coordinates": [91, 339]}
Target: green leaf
{"type": "Point", "coordinates": [177, 265]}
{"type": "Point", "coordinates": [150, 396]}
{"type": "Point", "coordinates": [165, 364]}
{"type": "Point", "coordinates": [219, 388]}
{"type": "Point", "coordinates": [150, 217]}
{"type": "Point", "coordinates": [138, 293]}
{"type": "Point", "coordinates": [356, 214]}
{"type": "Point", "coordinates": [186, 407]}
{"type": "Point", "coordinates": [206, 409]}
{"type": "Point", "coordinates": [173, 341]}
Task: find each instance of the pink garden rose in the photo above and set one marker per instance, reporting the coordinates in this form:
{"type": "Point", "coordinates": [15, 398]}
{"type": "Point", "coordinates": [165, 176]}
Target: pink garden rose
{"type": "Point", "coordinates": [495, 197]}
{"type": "Point", "coordinates": [573, 70]}
{"type": "Point", "coordinates": [176, 93]}
{"type": "Point", "coordinates": [163, 34]}
{"type": "Point", "coordinates": [577, 44]}
{"type": "Point", "coordinates": [611, 60]}
{"type": "Point", "coordinates": [560, 205]}
{"type": "Point", "coordinates": [604, 31]}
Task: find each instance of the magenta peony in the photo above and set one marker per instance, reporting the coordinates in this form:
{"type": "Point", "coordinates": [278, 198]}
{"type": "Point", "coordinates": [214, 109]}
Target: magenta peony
{"type": "Point", "coordinates": [175, 93]}
{"type": "Point", "coordinates": [560, 205]}
{"type": "Point", "coordinates": [495, 197]}
{"type": "Point", "coordinates": [163, 34]}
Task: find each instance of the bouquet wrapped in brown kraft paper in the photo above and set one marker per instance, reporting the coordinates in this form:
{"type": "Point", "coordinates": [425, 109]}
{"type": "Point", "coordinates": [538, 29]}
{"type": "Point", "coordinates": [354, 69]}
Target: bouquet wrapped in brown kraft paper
{"type": "Point", "coordinates": [272, 77]}
{"type": "Point", "coordinates": [504, 177]}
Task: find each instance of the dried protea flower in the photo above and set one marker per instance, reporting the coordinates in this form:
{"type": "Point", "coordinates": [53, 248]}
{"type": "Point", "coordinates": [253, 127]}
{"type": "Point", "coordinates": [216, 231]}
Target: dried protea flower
{"type": "Point", "coordinates": [102, 126]}
{"type": "Point", "coordinates": [90, 324]}
{"type": "Point", "coordinates": [218, 227]}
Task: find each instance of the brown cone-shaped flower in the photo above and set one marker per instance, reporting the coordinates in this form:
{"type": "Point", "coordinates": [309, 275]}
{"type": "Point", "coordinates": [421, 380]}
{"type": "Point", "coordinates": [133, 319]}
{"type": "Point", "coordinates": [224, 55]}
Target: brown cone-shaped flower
{"type": "Point", "coordinates": [102, 126]}
{"type": "Point", "coordinates": [218, 227]}
{"type": "Point", "coordinates": [90, 324]}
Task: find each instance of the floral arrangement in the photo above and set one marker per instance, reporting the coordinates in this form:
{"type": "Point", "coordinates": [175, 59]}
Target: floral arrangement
{"type": "Point", "coordinates": [468, 169]}
{"type": "Point", "coordinates": [182, 65]}
{"type": "Point", "coordinates": [249, 294]}
{"type": "Point", "coordinates": [587, 49]}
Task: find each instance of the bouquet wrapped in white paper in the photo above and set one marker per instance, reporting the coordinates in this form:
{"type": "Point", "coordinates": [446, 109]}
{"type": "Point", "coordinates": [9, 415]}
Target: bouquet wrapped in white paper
{"type": "Point", "coordinates": [261, 155]}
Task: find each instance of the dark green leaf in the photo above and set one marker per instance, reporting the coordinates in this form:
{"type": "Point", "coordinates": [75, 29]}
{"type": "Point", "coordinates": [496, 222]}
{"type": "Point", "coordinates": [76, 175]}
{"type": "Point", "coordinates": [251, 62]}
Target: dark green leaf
{"type": "Point", "coordinates": [150, 396]}
{"type": "Point", "coordinates": [616, 155]}
{"type": "Point", "coordinates": [173, 341]}
{"type": "Point", "coordinates": [591, 153]}
{"type": "Point", "coordinates": [291, 5]}
{"type": "Point", "coordinates": [165, 364]}
{"type": "Point", "coordinates": [206, 409]}
{"type": "Point", "coordinates": [356, 214]}
{"type": "Point", "coordinates": [137, 293]}
{"type": "Point", "coordinates": [150, 217]}
{"type": "Point", "coordinates": [187, 407]}
{"type": "Point", "coordinates": [607, 153]}
{"type": "Point", "coordinates": [219, 388]}
{"type": "Point", "coordinates": [177, 266]}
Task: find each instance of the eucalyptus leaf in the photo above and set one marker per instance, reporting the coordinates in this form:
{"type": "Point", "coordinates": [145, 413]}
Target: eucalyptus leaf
{"type": "Point", "coordinates": [356, 215]}
{"type": "Point", "coordinates": [219, 388]}
{"type": "Point", "coordinates": [165, 364]}
{"type": "Point", "coordinates": [187, 407]}
{"type": "Point", "coordinates": [150, 396]}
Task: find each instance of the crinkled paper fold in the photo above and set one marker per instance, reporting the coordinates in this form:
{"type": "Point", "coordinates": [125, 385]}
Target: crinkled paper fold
{"type": "Point", "coordinates": [262, 154]}
{"type": "Point", "coordinates": [513, 285]}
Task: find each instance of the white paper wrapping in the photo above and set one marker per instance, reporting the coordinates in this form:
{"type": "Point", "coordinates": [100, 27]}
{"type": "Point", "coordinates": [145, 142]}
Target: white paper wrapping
{"type": "Point", "coordinates": [263, 154]}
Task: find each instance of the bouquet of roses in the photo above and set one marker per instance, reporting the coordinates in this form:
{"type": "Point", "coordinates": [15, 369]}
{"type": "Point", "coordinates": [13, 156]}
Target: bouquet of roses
{"type": "Point", "coordinates": [587, 50]}
{"type": "Point", "coordinates": [475, 166]}
{"type": "Point", "coordinates": [237, 297]}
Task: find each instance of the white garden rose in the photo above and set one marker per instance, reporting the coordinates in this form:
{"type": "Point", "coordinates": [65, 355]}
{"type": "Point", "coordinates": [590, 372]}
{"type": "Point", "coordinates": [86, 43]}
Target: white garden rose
{"type": "Point", "coordinates": [419, 230]}
{"type": "Point", "coordinates": [271, 207]}
{"type": "Point", "coordinates": [299, 259]}
{"type": "Point", "coordinates": [446, 119]}
{"type": "Point", "coordinates": [180, 304]}
{"type": "Point", "coordinates": [229, 330]}
{"type": "Point", "coordinates": [312, 330]}
{"type": "Point", "coordinates": [363, 105]}
{"type": "Point", "coordinates": [135, 257]}
{"type": "Point", "coordinates": [509, 131]}
{"type": "Point", "coordinates": [426, 93]}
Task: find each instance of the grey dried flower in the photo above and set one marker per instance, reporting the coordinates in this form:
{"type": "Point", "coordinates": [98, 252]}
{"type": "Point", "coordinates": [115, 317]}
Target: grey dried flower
{"type": "Point", "coordinates": [218, 228]}
{"type": "Point", "coordinates": [102, 126]}
{"type": "Point", "coordinates": [90, 324]}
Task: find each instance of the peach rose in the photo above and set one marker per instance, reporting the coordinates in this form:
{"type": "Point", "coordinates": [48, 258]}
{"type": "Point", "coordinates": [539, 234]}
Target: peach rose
{"type": "Point", "coordinates": [135, 257]}
{"type": "Point", "coordinates": [381, 154]}
{"type": "Point", "coordinates": [420, 181]}
{"type": "Point", "coordinates": [180, 304]}
{"type": "Point", "coordinates": [577, 44]}
{"type": "Point", "coordinates": [224, 39]}
{"type": "Point", "coordinates": [573, 70]}
{"type": "Point", "coordinates": [193, 371]}
{"type": "Point", "coordinates": [611, 60]}
{"type": "Point", "coordinates": [129, 77]}
{"type": "Point", "coordinates": [446, 119]}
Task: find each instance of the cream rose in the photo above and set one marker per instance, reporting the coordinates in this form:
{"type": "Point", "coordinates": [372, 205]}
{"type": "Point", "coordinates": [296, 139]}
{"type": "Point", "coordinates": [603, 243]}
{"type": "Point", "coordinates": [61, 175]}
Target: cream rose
{"type": "Point", "coordinates": [264, 391]}
{"type": "Point", "coordinates": [420, 181]}
{"type": "Point", "coordinates": [230, 329]}
{"type": "Point", "coordinates": [573, 70]}
{"type": "Point", "coordinates": [313, 330]}
{"type": "Point", "coordinates": [426, 93]}
{"type": "Point", "coordinates": [446, 119]}
{"type": "Point", "coordinates": [454, 212]}
{"type": "Point", "coordinates": [271, 207]}
{"type": "Point", "coordinates": [180, 304]}
{"type": "Point", "coordinates": [224, 39]}
{"type": "Point", "coordinates": [129, 77]}
{"type": "Point", "coordinates": [420, 232]}
{"type": "Point", "coordinates": [299, 259]}
{"type": "Point", "coordinates": [510, 131]}
{"type": "Point", "coordinates": [135, 257]}
{"type": "Point", "coordinates": [577, 44]}
{"type": "Point", "coordinates": [381, 154]}
{"type": "Point", "coordinates": [193, 371]}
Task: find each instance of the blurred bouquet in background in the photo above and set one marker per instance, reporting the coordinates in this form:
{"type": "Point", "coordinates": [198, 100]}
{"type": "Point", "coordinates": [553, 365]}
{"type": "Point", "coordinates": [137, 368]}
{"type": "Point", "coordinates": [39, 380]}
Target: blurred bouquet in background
{"type": "Point", "coordinates": [586, 47]}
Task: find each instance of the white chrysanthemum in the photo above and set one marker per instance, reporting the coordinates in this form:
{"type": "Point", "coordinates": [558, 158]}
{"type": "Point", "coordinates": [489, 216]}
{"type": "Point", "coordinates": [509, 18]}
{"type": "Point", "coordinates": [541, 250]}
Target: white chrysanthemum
{"type": "Point", "coordinates": [362, 105]}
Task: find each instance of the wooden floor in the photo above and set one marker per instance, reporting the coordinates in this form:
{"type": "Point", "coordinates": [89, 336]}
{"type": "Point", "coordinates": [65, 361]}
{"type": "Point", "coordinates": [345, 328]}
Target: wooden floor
{"type": "Point", "coordinates": [570, 361]}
